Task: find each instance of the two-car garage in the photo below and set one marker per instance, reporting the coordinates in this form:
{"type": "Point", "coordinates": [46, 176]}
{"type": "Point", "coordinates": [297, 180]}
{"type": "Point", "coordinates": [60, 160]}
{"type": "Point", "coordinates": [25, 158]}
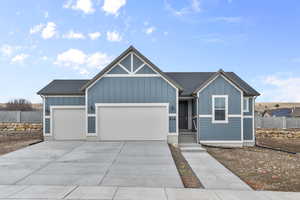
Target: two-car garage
{"type": "Point", "coordinates": [113, 122]}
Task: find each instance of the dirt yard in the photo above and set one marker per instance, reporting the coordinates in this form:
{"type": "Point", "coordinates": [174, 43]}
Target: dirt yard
{"type": "Point", "coordinates": [14, 140]}
{"type": "Point", "coordinates": [187, 175]}
{"type": "Point", "coordinates": [265, 169]}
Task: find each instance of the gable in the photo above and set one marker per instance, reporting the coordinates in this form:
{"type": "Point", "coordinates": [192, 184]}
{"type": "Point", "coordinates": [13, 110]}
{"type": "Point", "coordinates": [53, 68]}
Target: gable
{"type": "Point", "coordinates": [129, 64]}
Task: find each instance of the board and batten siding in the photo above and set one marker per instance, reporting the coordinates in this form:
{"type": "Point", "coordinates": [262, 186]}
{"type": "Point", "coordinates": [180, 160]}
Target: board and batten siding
{"type": "Point", "coordinates": [132, 90]}
{"type": "Point", "coordinates": [225, 131]}
{"type": "Point", "coordinates": [60, 101]}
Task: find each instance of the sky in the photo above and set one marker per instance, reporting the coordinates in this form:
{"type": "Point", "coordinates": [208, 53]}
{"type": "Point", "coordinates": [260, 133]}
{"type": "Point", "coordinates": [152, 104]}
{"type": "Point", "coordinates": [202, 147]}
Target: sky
{"type": "Point", "coordinates": [74, 39]}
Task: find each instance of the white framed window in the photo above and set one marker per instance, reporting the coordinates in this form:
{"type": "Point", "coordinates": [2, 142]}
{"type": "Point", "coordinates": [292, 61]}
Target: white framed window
{"type": "Point", "coordinates": [220, 108]}
{"type": "Point", "coordinates": [246, 104]}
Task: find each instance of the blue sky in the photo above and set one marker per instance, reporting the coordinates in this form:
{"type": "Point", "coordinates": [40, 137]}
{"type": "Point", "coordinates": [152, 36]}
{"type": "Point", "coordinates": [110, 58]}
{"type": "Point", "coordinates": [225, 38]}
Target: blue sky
{"type": "Point", "coordinates": [75, 39]}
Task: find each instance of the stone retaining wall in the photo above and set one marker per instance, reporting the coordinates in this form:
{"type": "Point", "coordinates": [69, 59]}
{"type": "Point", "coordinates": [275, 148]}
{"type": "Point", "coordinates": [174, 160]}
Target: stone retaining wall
{"type": "Point", "coordinates": [6, 126]}
{"type": "Point", "coordinates": [277, 133]}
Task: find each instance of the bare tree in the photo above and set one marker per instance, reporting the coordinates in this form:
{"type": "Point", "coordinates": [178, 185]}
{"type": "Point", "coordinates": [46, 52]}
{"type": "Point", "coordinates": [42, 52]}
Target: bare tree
{"type": "Point", "coordinates": [19, 104]}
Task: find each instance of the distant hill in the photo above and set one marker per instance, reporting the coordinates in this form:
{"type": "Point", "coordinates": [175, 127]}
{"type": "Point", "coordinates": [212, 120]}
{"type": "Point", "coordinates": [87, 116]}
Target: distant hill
{"type": "Point", "coordinates": [262, 106]}
{"type": "Point", "coordinates": [36, 106]}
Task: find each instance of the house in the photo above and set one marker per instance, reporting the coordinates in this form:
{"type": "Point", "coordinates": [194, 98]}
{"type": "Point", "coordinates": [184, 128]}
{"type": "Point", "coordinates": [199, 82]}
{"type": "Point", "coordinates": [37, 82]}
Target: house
{"type": "Point", "coordinates": [132, 99]}
{"type": "Point", "coordinates": [279, 112]}
{"type": "Point", "coordinates": [296, 112]}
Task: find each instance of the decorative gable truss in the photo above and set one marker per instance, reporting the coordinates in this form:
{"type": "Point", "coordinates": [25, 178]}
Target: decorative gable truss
{"type": "Point", "coordinates": [131, 66]}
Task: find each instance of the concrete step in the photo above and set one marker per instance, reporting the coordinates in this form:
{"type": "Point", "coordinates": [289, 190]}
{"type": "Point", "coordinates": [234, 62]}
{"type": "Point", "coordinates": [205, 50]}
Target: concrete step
{"type": "Point", "coordinates": [190, 147]}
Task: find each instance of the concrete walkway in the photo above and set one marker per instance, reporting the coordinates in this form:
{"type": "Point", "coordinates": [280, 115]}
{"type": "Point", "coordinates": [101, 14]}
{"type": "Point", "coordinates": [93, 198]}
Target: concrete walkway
{"type": "Point", "coordinates": [135, 193]}
{"type": "Point", "coordinates": [212, 174]}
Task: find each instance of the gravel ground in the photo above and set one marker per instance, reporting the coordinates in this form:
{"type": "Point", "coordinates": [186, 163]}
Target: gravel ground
{"type": "Point", "coordinates": [262, 169]}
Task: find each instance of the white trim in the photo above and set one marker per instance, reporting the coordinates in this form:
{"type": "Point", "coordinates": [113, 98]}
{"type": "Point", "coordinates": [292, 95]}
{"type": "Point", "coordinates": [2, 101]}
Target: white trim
{"type": "Point", "coordinates": [215, 79]}
{"type": "Point", "coordinates": [172, 134]}
{"type": "Point", "coordinates": [131, 75]}
{"type": "Point", "coordinates": [138, 69]}
{"type": "Point", "coordinates": [47, 96]}
{"type": "Point", "coordinates": [253, 120]}
{"type": "Point", "coordinates": [91, 114]}
{"type": "Point", "coordinates": [143, 75]}
{"type": "Point", "coordinates": [247, 108]}
{"type": "Point", "coordinates": [122, 67]}
{"type": "Point", "coordinates": [86, 113]}
{"type": "Point", "coordinates": [97, 105]}
{"type": "Point", "coordinates": [242, 116]}
{"type": "Point", "coordinates": [177, 111]}
{"type": "Point", "coordinates": [221, 141]}
{"type": "Point", "coordinates": [234, 115]}
{"type": "Point", "coordinates": [248, 116]}
{"type": "Point", "coordinates": [59, 107]}
{"type": "Point", "coordinates": [248, 140]}
{"type": "Point", "coordinates": [205, 116]}
{"type": "Point", "coordinates": [47, 116]}
{"type": "Point", "coordinates": [213, 120]}
{"type": "Point", "coordinates": [172, 114]}
{"type": "Point", "coordinates": [131, 65]}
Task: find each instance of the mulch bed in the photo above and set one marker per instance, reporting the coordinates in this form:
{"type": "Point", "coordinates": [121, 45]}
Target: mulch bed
{"type": "Point", "coordinates": [262, 169]}
{"type": "Point", "coordinates": [287, 144]}
{"type": "Point", "coordinates": [188, 177]}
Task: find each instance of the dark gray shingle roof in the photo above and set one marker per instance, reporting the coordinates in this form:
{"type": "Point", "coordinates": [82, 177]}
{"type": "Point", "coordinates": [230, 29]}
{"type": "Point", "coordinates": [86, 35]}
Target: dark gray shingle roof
{"type": "Point", "coordinates": [63, 87]}
{"type": "Point", "coordinates": [190, 81]}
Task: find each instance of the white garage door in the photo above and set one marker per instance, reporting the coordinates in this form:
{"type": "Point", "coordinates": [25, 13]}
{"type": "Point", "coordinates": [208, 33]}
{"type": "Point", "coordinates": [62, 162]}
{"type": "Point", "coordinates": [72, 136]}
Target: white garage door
{"type": "Point", "coordinates": [68, 123]}
{"type": "Point", "coordinates": [132, 122]}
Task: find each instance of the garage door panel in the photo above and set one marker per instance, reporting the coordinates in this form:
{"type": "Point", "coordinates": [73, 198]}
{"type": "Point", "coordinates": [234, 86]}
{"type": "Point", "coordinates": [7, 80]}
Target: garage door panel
{"type": "Point", "coordinates": [69, 124]}
{"type": "Point", "coordinates": [132, 123]}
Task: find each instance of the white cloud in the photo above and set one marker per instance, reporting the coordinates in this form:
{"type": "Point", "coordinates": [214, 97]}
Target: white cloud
{"type": "Point", "coordinates": [44, 58]}
{"type": "Point", "coordinates": [85, 6]}
{"type": "Point", "coordinates": [194, 6]}
{"type": "Point", "coordinates": [279, 88]}
{"type": "Point", "coordinates": [113, 36]}
{"type": "Point", "coordinates": [150, 30]}
{"type": "Point", "coordinates": [73, 35]}
{"type": "Point", "coordinates": [46, 14]}
{"type": "Point", "coordinates": [231, 20]}
{"type": "Point", "coordinates": [95, 35]}
{"type": "Point", "coordinates": [36, 28]}
{"type": "Point", "coordinates": [112, 6]}
{"type": "Point", "coordinates": [49, 31]}
{"type": "Point", "coordinates": [19, 58]}
{"type": "Point", "coordinates": [7, 50]}
{"type": "Point", "coordinates": [80, 61]}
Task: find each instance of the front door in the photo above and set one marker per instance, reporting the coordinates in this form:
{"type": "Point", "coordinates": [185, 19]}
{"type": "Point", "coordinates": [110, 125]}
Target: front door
{"type": "Point", "coordinates": [183, 115]}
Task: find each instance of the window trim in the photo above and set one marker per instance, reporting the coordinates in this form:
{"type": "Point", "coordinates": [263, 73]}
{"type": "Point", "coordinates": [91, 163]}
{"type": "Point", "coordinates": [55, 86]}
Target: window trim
{"type": "Point", "coordinates": [213, 109]}
{"type": "Point", "coordinates": [247, 108]}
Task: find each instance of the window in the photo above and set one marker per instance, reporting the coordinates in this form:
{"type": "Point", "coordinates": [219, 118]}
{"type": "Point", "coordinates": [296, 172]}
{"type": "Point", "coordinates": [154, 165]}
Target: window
{"type": "Point", "coordinates": [220, 108]}
{"type": "Point", "coordinates": [246, 104]}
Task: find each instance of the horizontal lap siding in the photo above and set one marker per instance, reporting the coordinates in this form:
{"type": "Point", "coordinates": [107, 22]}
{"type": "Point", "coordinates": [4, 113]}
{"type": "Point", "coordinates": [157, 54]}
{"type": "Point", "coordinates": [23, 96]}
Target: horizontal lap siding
{"type": "Point", "coordinates": [229, 131]}
{"type": "Point", "coordinates": [219, 131]}
{"type": "Point", "coordinates": [248, 129]}
{"type": "Point", "coordinates": [250, 107]}
{"type": "Point", "coordinates": [132, 90]}
{"type": "Point", "coordinates": [91, 125]}
{"type": "Point", "coordinates": [172, 124]}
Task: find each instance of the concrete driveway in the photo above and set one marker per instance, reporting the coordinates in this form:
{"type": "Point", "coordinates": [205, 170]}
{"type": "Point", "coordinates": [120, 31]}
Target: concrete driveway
{"type": "Point", "coordinates": [144, 164]}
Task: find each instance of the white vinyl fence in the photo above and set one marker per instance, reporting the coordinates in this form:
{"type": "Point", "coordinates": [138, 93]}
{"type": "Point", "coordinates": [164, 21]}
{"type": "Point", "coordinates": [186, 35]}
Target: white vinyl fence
{"type": "Point", "coordinates": [277, 122]}
{"type": "Point", "coordinates": [21, 116]}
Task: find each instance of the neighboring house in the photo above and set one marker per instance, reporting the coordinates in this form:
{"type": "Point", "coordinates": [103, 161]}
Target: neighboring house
{"type": "Point", "coordinates": [296, 112]}
{"type": "Point", "coordinates": [279, 112]}
{"type": "Point", "coordinates": [132, 99]}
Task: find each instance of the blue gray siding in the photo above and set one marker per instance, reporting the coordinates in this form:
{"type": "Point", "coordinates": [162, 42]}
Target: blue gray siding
{"type": "Point", "coordinates": [248, 128]}
{"type": "Point", "coordinates": [117, 70]}
{"type": "Point", "coordinates": [132, 90]}
{"type": "Point", "coordinates": [219, 87]}
{"type": "Point", "coordinates": [219, 131]}
{"type": "Point", "coordinates": [250, 107]}
{"type": "Point", "coordinates": [136, 62]}
{"type": "Point", "coordinates": [91, 125]}
{"type": "Point", "coordinates": [47, 125]}
{"type": "Point", "coordinates": [62, 101]}
{"type": "Point", "coordinates": [126, 62]}
{"type": "Point", "coordinates": [172, 124]}
{"type": "Point", "coordinates": [146, 70]}
{"type": "Point", "coordinates": [229, 131]}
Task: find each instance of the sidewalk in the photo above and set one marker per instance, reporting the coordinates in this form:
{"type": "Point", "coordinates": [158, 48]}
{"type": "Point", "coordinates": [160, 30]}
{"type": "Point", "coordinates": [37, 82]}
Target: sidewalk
{"type": "Point", "coordinates": [132, 193]}
{"type": "Point", "coordinates": [212, 174]}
